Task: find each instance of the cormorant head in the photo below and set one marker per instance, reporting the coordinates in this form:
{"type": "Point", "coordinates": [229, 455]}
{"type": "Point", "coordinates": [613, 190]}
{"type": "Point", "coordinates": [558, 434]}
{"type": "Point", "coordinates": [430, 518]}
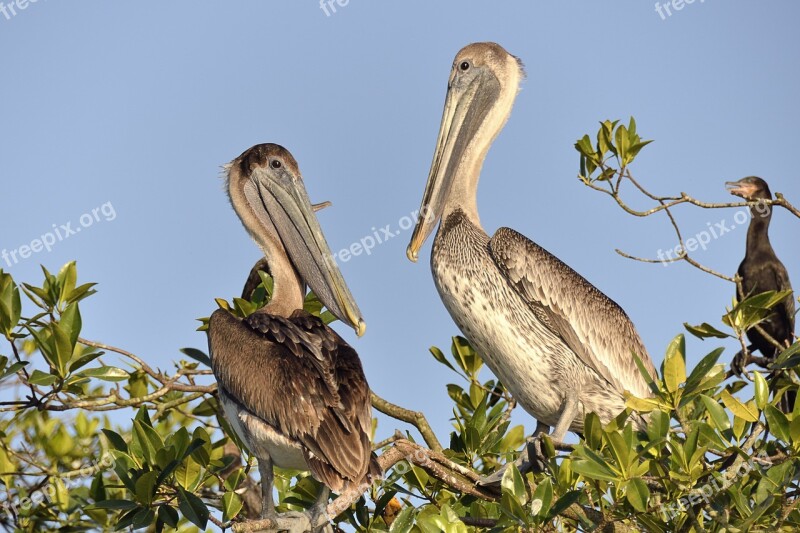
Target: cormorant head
{"type": "Point", "coordinates": [751, 188]}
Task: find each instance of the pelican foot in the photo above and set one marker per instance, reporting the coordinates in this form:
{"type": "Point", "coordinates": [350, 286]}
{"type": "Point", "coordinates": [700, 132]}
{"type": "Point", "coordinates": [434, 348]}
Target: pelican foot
{"type": "Point", "coordinates": [531, 459]}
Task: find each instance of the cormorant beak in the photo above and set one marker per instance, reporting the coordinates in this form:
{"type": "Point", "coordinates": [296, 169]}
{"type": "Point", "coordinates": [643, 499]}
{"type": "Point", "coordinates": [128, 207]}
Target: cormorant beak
{"type": "Point", "coordinates": [285, 203]}
{"type": "Point", "coordinates": [741, 188]}
{"type": "Point", "coordinates": [465, 108]}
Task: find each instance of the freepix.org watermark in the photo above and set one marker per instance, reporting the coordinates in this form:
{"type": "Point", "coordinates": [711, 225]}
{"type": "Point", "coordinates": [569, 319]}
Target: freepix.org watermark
{"type": "Point", "coordinates": [709, 491]}
{"type": "Point", "coordinates": [367, 243]}
{"type": "Point", "coordinates": [329, 6]}
{"type": "Point", "coordinates": [59, 233]}
{"type": "Point", "coordinates": [10, 9]}
{"type": "Point", "coordinates": [668, 7]}
{"type": "Point", "coordinates": [48, 493]}
{"type": "Point", "coordinates": [713, 231]}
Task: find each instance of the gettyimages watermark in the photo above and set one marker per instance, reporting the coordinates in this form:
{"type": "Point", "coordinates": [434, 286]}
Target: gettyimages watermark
{"type": "Point", "coordinates": [59, 233]}
{"type": "Point", "coordinates": [713, 231]}
{"type": "Point", "coordinates": [367, 243]}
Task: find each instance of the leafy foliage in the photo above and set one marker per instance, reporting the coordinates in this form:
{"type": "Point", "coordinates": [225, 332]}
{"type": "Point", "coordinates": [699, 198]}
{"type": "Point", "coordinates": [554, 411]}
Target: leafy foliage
{"type": "Point", "coordinates": [717, 453]}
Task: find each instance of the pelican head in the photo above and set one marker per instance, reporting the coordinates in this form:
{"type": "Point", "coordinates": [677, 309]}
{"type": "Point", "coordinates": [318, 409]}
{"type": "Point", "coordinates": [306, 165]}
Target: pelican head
{"type": "Point", "coordinates": [267, 192]}
{"type": "Point", "coordinates": [750, 188]}
{"type": "Point", "coordinates": [484, 82]}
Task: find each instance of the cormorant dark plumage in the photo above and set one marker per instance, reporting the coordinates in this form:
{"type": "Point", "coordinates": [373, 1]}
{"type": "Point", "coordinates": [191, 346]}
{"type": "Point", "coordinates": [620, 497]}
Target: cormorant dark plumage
{"type": "Point", "coordinates": [762, 271]}
{"type": "Point", "coordinates": [562, 347]}
{"type": "Point", "coordinates": [292, 389]}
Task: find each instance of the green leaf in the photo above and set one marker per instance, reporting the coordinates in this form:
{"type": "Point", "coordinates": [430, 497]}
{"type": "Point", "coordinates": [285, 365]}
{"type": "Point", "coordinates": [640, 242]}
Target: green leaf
{"type": "Point", "coordinates": [439, 356]}
{"type": "Point", "coordinates": [79, 293]}
{"type": "Point", "coordinates": [565, 501]}
{"type": "Point", "coordinates": [197, 355]}
{"type": "Point", "coordinates": [145, 487]}
{"type": "Point", "coordinates": [718, 415]}
{"type": "Point", "coordinates": [622, 142]}
{"type": "Point", "coordinates": [705, 331]}
{"type": "Point", "coordinates": [106, 373]}
{"type": "Point", "coordinates": [70, 321]}
{"type": "Point", "coordinates": [168, 515]}
{"type": "Point", "coordinates": [142, 441]}
{"type": "Point", "coordinates": [231, 505]}
{"type": "Point", "coordinates": [66, 280]}
{"type": "Point", "coordinates": [778, 423]}
{"type": "Point", "coordinates": [544, 494]}
{"type": "Point", "coordinates": [63, 348]}
{"type": "Point", "coordinates": [193, 508]}
{"type": "Point", "coordinates": [637, 494]}
{"type": "Point", "coordinates": [593, 466]}
{"type": "Point", "coordinates": [701, 371]}
{"type": "Point", "coordinates": [115, 440]}
{"type": "Point", "coordinates": [188, 473]}
{"type": "Point", "coordinates": [643, 405]}
{"type": "Point", "coordinates": [584, 146]}
{"type": "Point", "coordinates": [746, 412]}
{"type": "Point", "coordinates": [41, 379]}
{"type": "Point", "coordinates": [634, 150]}
{"type": "Point", "coordinates": [84, 360]}
{"type": "Point", "coordinates": [675, 363]}
{"type": "Point", "coordinates": [10, 304]}
{"type": "Point", "coordinates": [513, 484]}
{"type": "Point", "coordinates": [404, 521]}
{"type": "Point", "coordinates": [762, 390]}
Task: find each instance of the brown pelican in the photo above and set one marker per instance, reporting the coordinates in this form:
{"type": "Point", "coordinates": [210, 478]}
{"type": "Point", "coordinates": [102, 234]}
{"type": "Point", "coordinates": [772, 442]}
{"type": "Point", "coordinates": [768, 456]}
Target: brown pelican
{"type": "Point", "coordinates": [290, 387]}
{"type": "Point", "coordinates": [562, 347]}
{"type": "Point", "coordinates": [762, 271]}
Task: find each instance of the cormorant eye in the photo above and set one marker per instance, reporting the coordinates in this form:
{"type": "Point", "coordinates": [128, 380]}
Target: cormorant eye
{"type": "Point", "coordinates": [275, 164]}
{"type": "Point", "coordinates": [464, 66]}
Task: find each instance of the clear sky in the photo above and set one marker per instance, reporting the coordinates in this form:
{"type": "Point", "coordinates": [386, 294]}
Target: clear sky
{"type": "Point", "coordinates": [136, 105]}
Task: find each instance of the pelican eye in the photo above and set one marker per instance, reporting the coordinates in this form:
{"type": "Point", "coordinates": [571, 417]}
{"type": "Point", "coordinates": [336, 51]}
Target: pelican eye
{"type": "Point", "coordinates": [275, 164]}
{"type": "Point", "coordinates": [464, 66]}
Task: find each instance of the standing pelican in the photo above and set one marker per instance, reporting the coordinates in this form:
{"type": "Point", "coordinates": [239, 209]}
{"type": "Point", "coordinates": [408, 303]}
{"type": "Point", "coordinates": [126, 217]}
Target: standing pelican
{"type": "Point", "coordinates": [762, 271]}
{"type": "Point", "coordinates": [290, 387]}
{"type": "Point", "coordinates": [562, 347]}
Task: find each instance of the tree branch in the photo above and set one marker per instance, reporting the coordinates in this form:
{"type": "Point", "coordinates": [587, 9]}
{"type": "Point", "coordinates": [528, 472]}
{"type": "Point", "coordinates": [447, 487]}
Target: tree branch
{"type": "Point", "coordinates": [414, 418]}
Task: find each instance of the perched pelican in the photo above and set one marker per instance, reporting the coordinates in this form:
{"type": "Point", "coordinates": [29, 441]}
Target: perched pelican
{"type": "Point", "coordinates": [290, 387]}
{"type": "Point", "coordinates": [562, 347]}
{"type": "Point", "coordinates": [762, 271]}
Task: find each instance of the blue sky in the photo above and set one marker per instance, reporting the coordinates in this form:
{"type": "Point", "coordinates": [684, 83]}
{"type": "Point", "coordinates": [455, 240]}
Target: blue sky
{"type": "Point", "coordinates": [139, 104]}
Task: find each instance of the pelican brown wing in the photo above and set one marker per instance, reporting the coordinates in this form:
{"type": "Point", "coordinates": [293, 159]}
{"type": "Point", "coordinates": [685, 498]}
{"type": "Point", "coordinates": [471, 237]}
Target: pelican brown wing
{"type": "Point", "coordinates": [588, 321]}
{"type": "Point", "coordinates": [311, 388]}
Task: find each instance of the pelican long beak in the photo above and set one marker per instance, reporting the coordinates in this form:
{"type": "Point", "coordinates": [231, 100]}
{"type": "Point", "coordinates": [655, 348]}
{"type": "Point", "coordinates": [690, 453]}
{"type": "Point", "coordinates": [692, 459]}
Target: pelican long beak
{"type": "Point", "coordinates": [741, 188]}
{"type": "Point", "coordinates": [286, 204]}
{"type": "Point", "coordinates": [465, 109]}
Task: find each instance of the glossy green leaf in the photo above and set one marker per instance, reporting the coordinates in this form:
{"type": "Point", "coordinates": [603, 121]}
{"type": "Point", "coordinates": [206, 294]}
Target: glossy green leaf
{"type": "Point", "coordinates": [705, 331]}
{"type": "Point", "coordinates": [231, 505]}
{"type": "Point", "coordinates": [746, 412]}
{"type": "Point", "coordinates": [762, 390]}
{"type": "Point", "coordinates": [675, 364]}
{"type": "Point", "coordinates": [718, 415]}
{"type": "Point", "coordinates": [193, 508]}
{"type": "Point", "coordinates": [106, 373]}
{"type": "Point", "coordinates": [637, 494]}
